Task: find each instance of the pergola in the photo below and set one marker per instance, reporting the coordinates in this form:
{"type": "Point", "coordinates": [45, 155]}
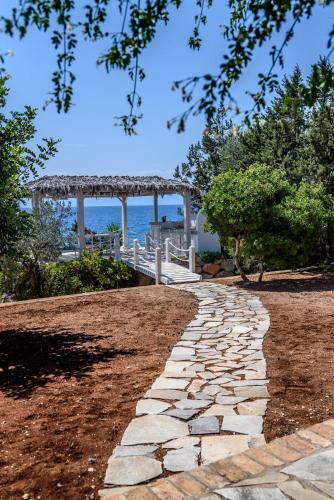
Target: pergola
{"type": "Point", "coordinates": [121, 187]}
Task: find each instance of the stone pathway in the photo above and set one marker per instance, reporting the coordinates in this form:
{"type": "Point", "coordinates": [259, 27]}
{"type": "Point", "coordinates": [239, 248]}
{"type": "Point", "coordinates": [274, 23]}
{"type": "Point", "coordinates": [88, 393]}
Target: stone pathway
{"type": "Point", "coordinates": [210, 401]}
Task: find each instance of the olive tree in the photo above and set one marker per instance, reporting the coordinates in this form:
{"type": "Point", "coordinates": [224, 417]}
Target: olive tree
{"type": "Point", "coordinates": [18, 161]}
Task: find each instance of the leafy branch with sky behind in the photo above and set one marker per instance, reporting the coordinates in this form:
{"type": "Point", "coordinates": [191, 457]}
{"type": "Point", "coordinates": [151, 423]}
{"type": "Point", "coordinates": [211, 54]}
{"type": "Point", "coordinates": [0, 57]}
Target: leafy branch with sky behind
{"type": "Point", "coordinates": [126, 28]}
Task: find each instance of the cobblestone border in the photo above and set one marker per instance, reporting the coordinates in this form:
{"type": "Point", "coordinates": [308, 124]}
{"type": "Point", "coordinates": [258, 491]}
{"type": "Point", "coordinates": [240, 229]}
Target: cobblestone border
{"type": "Point", "coordinates": [255, 468]}
{"type": "Point", "coordinates": [210, 401]}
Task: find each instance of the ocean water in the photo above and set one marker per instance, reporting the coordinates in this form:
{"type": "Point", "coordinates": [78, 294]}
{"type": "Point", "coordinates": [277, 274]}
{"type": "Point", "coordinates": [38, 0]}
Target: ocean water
{"type": "Point", "coordinates": [139, 218]}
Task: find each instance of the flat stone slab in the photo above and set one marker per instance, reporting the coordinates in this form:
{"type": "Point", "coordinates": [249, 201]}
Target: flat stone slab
{"type": "Point", "coordinates": [252, 391]}
{"type": "Point", "coordinates": [170, 383]}
{"type": "Point", "coordinates": [185, 404]}
{"type": "Point", "coordinates": [318, 467]}
{"type": "Point", "coordinates": [153, 429]}
{"type": "Point", "coordinates": [327, 488]}
{"type": "Point", "coordinates": [219, 410]}
{"type": "Point", "coordinates": [151, 407]}
{"type": "Point", "coordinates": [229, 400]}
{"type": "Point", "coordinates": [182, 351]}
{"type": "Point", "coordinates": [298, 491]}
{"type": "Point", "coordinates": [253, 407]}
{"type": "Point", "coordinates": [212, 390]}
{"type": "Point", "coordinates": [251, 493]}
{"type": "Point", "coordinates": [175, 374]}
{"type": "Point", "coordinates": [241, 329]}
{"type": "Point", "coordinates": [204, 425]}
{"type": "Point", "coordinates": [182, 414]}
{"type": "Point", "coordinates": [132, 451]}
{"type": "Point", "coordinates": [169, 394]}
{"type": "Point", "coordinates": [181, 459]}
{"type": "Point", "coordinates": [128, 471]}
{"type": "Point", "coordinates": [243, 424]}
{"type": "Point", "coordinates": [217, 447]}
{"type": "Point", "coordinates": [177, 366]}
{"type": "Point", "coordinates": [184, 442]}
{"type": "Point", "coordinates": [242, 383]}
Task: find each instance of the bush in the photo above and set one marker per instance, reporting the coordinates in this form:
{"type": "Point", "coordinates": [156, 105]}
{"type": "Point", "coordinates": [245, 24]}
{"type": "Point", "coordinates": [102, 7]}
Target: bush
{"type": "Point", "coordinates": [267, 219]}
{"type": "Point", "coordinates": [211, 257]}
{"type": "Point", "coordinates": [88, 273]}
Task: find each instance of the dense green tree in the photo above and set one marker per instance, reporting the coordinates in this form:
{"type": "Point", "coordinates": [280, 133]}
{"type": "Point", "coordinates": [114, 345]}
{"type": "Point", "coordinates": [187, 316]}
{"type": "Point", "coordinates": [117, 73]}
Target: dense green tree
{"type": "Point", "coordinates": [288, 135]}
{"type": "Point", "coordinates": [216, 151]}
{"type": "Point", "coordinates": [268, 219]}
{"type": "Point", "coordinates": [319, 139]}
{"type": "Point", "coordinates": [247, 26]}
{"type": "Point", "coordinates": [17, 163]}
{"type": "Point", "coordinates": [277, 137]}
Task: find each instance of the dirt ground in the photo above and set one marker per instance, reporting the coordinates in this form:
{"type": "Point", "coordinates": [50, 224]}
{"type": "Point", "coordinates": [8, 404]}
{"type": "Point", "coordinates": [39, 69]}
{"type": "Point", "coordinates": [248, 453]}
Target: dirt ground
{"type": "Point", "coordinates": [71, 372]}
{"type": "Point", "coordinates": [299, 349]}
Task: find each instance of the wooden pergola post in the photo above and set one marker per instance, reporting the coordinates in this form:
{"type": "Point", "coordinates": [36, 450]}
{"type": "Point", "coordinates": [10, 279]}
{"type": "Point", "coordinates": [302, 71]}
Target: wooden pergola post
{"type": "Point", "coordinates": [124, 201]}
{"type": "Point", "coordinates": [36, 197]}
{"type": "Point", "coordinates": [187, 218]}
{"type": "Point", "coordinates": [156, 207]}
{"type": "Point", "coordinates": [81, 221]}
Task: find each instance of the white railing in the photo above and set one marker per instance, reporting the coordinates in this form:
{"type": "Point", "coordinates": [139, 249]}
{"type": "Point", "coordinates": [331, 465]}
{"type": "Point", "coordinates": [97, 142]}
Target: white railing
{"type": "Point", "coordinates": [106, 243]}
{"type": "Point", "coordinates": [154, 253]}
{"type": "Point", "coordinates": [185, 255]}
{"type": "Point", "coordinates": [148, 252]}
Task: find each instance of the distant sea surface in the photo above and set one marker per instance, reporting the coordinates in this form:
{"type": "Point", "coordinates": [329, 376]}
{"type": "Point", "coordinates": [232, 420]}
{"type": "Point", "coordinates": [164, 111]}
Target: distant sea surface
{"type": "Point", "coordinates": [139, 218]}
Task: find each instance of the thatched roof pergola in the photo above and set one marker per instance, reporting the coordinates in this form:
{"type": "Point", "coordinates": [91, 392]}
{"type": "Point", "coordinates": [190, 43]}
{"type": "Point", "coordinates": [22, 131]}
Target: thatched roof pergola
{"type": "Point", "coordinates": [68, 186]}
{"type": "Point", "coordinates": [91, 186]}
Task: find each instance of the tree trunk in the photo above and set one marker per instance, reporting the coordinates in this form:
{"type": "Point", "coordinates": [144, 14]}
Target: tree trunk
{"type": "Point", "coordinates": [261, 271]}
{"type": "Point", "coordinates": [237, 258]}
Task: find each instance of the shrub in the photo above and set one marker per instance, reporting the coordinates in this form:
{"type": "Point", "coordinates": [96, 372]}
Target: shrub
{"type": "Point", "coordinates": [211, 257]}
{"type": "Point", "coordinates": [269, 220]}
{"type": "Point", "coordinates": [88, 273]}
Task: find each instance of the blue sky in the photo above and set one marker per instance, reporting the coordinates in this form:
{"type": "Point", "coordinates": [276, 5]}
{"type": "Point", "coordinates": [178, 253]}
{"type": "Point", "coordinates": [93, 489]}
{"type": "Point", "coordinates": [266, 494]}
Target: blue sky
{"type": "Point", "coordinates": [91, 144]}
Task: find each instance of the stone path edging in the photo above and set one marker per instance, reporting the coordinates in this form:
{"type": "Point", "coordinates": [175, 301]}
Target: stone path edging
{"type": "Point", "coordinates": [210, 401]}
{"type": "Point", "coordinates": [299, 467]}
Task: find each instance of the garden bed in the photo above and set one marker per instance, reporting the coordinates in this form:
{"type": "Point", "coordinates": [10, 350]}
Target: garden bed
{"type": "Point", "coordinates": [299, 348]}
{"type": "Point", "coordinates": [72, 370]}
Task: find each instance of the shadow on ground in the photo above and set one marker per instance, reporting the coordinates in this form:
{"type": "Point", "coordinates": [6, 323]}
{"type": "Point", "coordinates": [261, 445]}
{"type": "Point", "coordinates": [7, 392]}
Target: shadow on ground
{"type": "Point", "coordinates": [309, 282]}
{"type": "Point", "coordinates": [30, 359]}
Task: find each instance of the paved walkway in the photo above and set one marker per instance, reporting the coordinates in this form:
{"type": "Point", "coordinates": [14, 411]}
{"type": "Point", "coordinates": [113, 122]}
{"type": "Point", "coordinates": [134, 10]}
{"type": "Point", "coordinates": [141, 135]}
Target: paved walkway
{"type": "Point", "coordinates": [209, 402]}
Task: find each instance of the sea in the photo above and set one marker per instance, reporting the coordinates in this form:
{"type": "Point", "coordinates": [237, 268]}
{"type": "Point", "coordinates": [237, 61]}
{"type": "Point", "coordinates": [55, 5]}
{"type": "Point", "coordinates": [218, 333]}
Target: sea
{"type": "Point", "coordinates": [139, 218]}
